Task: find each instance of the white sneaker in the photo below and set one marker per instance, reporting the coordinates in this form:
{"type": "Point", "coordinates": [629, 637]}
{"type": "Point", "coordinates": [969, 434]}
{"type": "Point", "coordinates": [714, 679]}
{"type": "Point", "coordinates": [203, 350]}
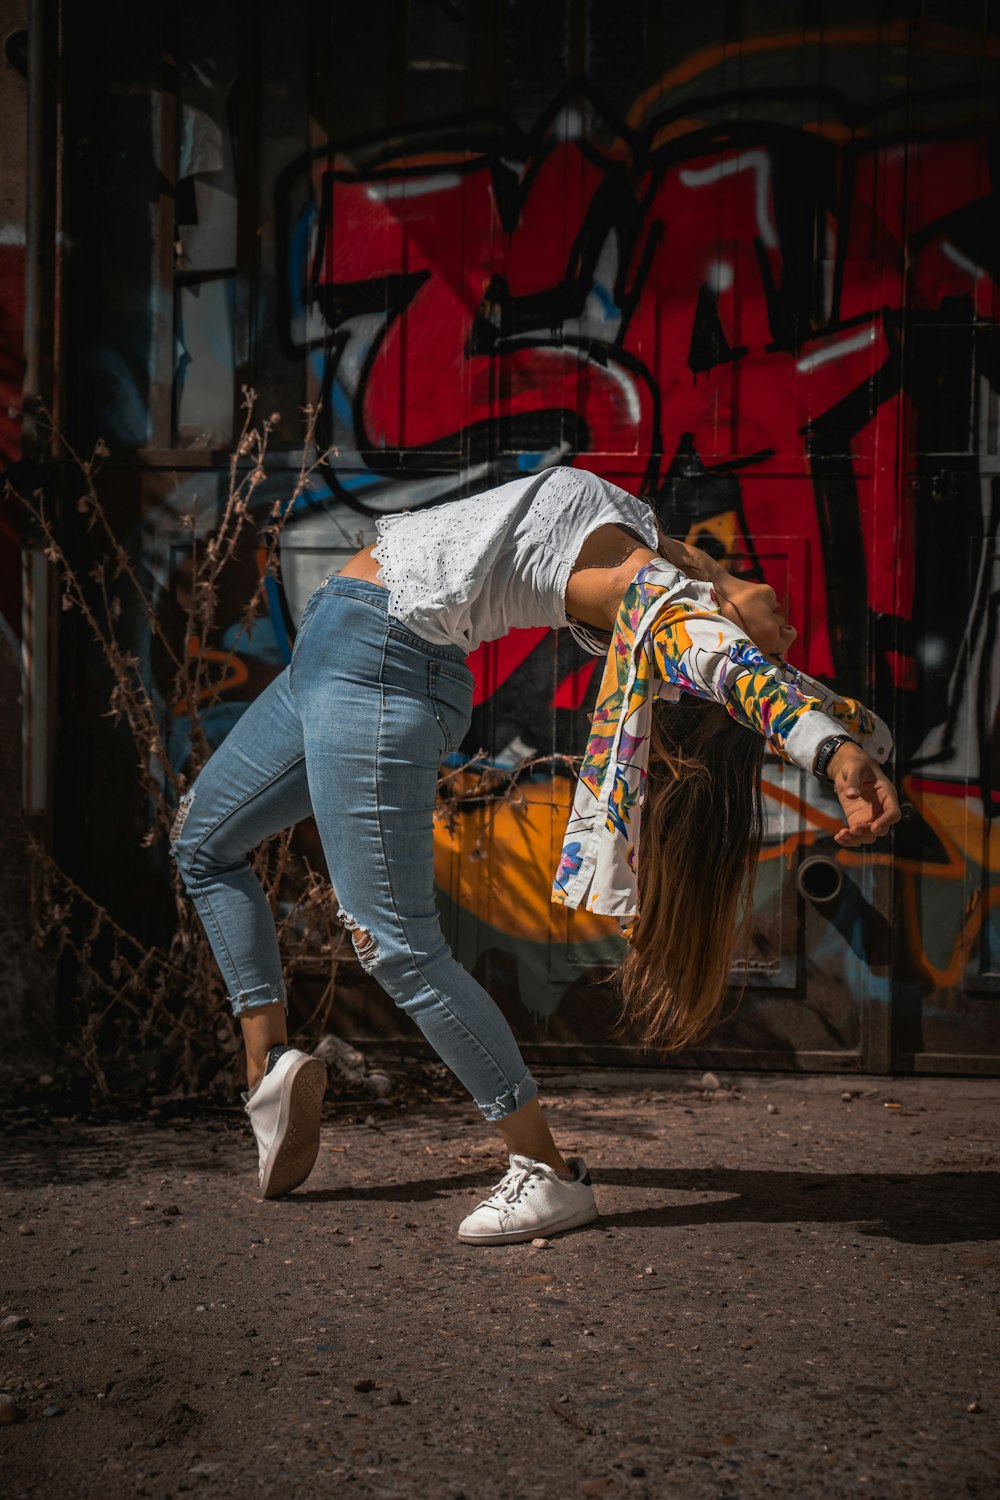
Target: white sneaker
{"type": "Point", "coordinates": [531, 1199]}
{"type": "Point", "coordinates": [284, 1110]}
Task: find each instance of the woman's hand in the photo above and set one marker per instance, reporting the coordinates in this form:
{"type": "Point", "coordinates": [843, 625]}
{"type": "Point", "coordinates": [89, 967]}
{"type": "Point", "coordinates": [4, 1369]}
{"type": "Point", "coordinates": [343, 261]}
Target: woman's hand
{"type": "Point", "coordinates": [866, 795]}
{"type": "Point", "coordinates": [691, 560]}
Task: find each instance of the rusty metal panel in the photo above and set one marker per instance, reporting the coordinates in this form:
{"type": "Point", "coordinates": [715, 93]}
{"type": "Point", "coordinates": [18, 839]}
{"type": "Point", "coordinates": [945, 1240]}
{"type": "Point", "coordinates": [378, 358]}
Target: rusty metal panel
{"type": "Point", "coordinates": [491, 238]}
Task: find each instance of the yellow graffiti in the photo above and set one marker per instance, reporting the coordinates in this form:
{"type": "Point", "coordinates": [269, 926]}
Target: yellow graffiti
{"type": "Point", "coordinates": [495, 860]}
{"type": "Point", "coordinates": [510, 889]}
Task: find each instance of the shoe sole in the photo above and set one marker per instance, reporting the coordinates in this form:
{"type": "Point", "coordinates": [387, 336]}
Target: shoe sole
{"type": "Point", "coordinates": [541, 1231]}
{"type": "Point", "coordinates": [296, 1141]}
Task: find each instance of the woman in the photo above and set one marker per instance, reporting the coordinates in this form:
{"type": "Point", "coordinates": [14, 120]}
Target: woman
{"type": "Point", "coordinates": [378, 692]}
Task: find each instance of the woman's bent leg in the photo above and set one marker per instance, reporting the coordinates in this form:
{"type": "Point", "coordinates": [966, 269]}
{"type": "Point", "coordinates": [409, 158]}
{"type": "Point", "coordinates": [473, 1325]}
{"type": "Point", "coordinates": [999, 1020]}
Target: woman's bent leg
{"type": "Point", "coordinates": [378, 714]}
{"type": "Point", "coordinates": [254, 785]}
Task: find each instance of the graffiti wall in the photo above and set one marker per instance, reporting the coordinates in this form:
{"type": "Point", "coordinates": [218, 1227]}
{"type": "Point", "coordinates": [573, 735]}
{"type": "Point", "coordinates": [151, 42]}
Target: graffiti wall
{"type": "Point", "coordinates": [745, 268]}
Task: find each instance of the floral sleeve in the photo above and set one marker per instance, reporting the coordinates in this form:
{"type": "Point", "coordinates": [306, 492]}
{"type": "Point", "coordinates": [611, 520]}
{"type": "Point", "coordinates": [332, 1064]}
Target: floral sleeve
{"type": "Point", "coordinates": [706, 655]}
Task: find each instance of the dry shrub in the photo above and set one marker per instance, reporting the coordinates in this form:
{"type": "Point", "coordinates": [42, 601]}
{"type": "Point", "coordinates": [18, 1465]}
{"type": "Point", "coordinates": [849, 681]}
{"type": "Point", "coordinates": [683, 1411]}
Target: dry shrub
{"type": "Point", "coordinates": [161, 1009]}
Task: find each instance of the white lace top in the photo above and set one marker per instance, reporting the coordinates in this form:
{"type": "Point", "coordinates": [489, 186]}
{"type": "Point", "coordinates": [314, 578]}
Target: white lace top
{"type": "Point", "coordinates": [470, 570]}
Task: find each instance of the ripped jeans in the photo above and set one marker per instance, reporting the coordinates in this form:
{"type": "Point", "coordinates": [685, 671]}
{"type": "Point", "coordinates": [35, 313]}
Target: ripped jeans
{"type": "Point", "coordinates": [353, 731]}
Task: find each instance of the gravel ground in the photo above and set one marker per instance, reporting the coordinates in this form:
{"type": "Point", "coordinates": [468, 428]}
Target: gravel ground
{"type": "Point", "coordinates": [789, 1293]}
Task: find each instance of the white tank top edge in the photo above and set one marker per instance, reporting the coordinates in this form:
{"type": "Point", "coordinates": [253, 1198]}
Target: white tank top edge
{"type": "Point", "coordinates": [470, 570]}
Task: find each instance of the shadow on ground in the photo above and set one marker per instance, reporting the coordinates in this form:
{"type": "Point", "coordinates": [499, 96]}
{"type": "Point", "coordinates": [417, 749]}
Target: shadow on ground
{"type": "Point", "coordinates": [934, 1208]}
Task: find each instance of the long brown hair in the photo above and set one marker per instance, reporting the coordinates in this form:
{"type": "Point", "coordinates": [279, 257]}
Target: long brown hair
{"type": "Point", "coordinates": [702, 822]}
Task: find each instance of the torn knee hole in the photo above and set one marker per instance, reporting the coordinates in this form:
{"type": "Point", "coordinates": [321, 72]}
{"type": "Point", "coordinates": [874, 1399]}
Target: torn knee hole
{"type": "Point", "coordinates": [183, 808]}
{"type": "Point", "coordinates": [365, 945]}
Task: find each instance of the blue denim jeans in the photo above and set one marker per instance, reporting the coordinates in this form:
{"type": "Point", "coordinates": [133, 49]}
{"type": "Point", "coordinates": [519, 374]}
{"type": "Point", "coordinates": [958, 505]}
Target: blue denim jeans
{"type": "Point", "coordinates": [353, 731]}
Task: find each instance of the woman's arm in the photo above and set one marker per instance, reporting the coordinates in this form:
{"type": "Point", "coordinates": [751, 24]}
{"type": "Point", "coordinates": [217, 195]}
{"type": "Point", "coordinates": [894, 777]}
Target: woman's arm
{"type": "Point", "coordinates": [705, 655]}
{"type": "Point", "coordinates": [605, 566]}
{"type": "Point", "coordinates": [725, 666]}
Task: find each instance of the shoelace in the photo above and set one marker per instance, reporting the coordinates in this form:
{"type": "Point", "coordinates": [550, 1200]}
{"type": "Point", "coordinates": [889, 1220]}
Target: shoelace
{"type": "Point", "coordinates": [509, 1188]}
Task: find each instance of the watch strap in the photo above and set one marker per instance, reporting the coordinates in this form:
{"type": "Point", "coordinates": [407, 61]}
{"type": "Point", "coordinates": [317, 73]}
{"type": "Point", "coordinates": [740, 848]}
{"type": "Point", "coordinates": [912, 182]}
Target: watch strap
{"type": "Point", "coordinates": [827, 750]}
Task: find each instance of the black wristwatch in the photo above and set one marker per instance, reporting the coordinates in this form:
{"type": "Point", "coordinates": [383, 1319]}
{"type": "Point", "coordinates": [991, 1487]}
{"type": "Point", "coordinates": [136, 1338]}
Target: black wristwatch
{"type": "Point", "coordinates": [826, 752]}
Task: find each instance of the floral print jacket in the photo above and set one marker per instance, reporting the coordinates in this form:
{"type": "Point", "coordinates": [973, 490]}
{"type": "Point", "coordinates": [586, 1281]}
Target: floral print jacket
{"type": "Point", "coordinates": [669, 639]}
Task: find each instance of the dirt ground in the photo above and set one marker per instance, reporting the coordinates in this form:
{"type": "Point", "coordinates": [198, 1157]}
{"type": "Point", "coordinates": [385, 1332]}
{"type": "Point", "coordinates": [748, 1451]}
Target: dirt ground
{"type": "Point", "coordinates": [789, 1293]}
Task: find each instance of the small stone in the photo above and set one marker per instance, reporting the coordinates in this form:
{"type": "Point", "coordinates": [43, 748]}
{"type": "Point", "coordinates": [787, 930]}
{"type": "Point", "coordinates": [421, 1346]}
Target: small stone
{"type": "Point", "coordinates": [53, 1411]}
{"type": "Point", "coordinates": [344, 1059]}
{"type": "Point", "coordinates": [397, 1400]}
{"type": "Point", "coordinates": [15, 1321]}
{"type": "Point", "coordinates": [847, 1096]}
{"type": "Point", "coordinates": [973, 1406]}
{"type": "Point", "coordinates": [148, 1203]}
{"type": "Point", "coordinates": [379, 1085]}
{"type": "Point", "coordinates": [709, 1081]}
{"type": "Point", "coordinates": [364, 1385]}
{"type": "Point", "coordinates": [649, 1271]}
{"type": "Point", "coordinates": [588, 1333]}
{"type": "Point", "coordinates": [25, 1229]}
{"type": "Point", "coordinates": [541, 1244]}
{"type": "Point", "coordinates": [171, 1211]}
{"type": "Point", "coordinates": [10, 1411]}
{"type": "Point", "coordinates": [45, 1081]}
{"type": "Point", "coordinates": [200, 1307]}
{"type": "Point", "coordinates": [772, 1109]}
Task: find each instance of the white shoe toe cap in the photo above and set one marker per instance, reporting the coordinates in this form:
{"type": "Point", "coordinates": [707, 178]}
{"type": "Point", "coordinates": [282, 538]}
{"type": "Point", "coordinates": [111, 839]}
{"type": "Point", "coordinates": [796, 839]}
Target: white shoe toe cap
{"type": "Point", "coordinates": [482, 1221]}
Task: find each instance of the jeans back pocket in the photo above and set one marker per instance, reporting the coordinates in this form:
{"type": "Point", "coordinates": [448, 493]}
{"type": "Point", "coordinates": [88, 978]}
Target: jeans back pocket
{"type": "Point", "coordinates": [450, 691]}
